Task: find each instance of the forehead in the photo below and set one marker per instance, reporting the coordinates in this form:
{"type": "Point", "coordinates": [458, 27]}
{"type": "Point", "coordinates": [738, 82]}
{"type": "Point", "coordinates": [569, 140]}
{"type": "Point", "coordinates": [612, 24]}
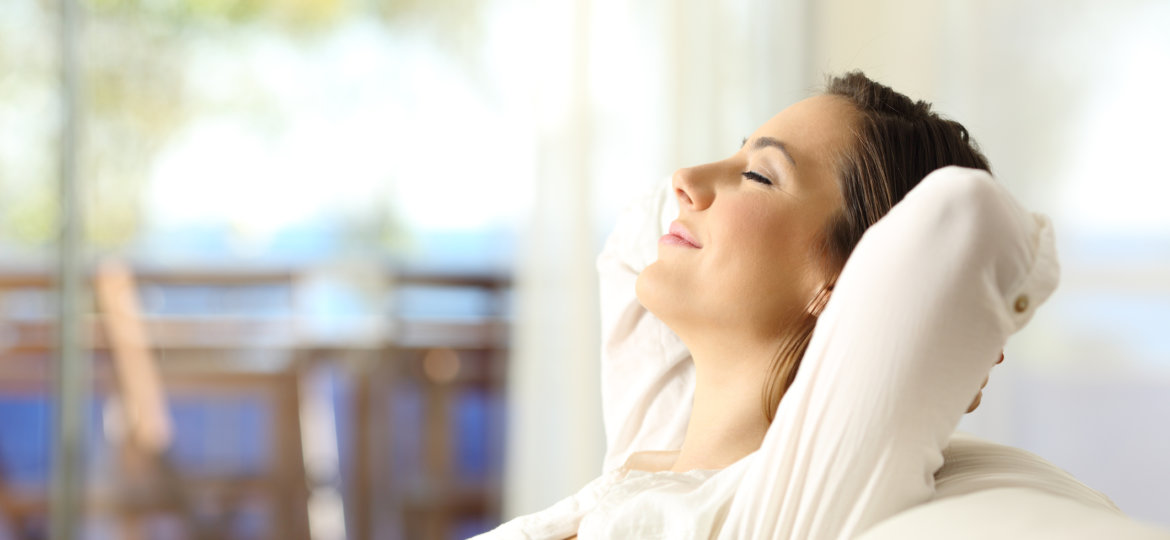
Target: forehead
{"type": "Point", "coordinates": [813, 130]}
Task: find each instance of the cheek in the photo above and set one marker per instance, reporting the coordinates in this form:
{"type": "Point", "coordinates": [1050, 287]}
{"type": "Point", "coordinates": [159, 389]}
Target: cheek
{"type": "Point", "coordinates": [758, 242]}
{"type": "Point", "coordinates": [753, 231]}
{"type": "Point", "coordinates": [760, 261]}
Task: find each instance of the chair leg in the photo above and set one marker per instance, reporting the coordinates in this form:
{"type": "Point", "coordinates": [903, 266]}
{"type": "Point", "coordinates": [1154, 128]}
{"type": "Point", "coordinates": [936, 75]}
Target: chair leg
{"type": "Point", "coordinates": [292, 499]}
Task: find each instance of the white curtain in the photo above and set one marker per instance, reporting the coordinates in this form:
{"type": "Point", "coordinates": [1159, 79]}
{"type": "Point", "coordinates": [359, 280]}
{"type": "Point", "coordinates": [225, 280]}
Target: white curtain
{"type": "Point", "coordinates": [627, 93]}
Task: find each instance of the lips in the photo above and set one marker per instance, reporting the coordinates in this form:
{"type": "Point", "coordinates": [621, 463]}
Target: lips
{"type": "Point", "coordinates": [679, 236]}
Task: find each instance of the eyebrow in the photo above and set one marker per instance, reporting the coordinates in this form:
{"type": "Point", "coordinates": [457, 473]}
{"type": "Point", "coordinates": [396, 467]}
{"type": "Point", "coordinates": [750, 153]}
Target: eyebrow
{"type": "Point", "coordinates": [766, 142]}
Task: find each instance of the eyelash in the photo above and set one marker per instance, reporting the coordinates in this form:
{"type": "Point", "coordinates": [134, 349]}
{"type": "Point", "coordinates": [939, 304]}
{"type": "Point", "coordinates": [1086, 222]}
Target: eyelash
{"type": "Point", "coordinates": [757, 177]}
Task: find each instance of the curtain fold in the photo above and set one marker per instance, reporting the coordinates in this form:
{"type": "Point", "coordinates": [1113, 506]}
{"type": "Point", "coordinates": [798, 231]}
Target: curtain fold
{"type": "Point", "coordinates": [626, 94]}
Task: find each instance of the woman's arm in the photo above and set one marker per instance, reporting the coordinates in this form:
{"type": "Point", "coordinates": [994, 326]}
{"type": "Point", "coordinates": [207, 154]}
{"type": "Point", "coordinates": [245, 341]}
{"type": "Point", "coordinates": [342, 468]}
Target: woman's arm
{"type": "Point", "coordinates": [647, 377]}
{"type": "Point", "coordinates": [916, 320]}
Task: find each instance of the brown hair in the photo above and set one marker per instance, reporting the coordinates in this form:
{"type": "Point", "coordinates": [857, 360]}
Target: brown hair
{"type": "Point", "coordinates": [896, 143]}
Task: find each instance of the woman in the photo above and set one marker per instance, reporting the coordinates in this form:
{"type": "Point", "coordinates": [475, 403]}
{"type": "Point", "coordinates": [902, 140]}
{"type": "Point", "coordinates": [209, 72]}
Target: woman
{"type": "Point", "coordinates": [794, 433]}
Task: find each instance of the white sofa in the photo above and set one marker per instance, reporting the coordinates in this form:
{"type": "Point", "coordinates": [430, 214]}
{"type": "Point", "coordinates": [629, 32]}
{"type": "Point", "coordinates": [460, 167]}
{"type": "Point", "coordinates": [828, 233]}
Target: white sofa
{"type": "Point", "coordinates": [988, 490]}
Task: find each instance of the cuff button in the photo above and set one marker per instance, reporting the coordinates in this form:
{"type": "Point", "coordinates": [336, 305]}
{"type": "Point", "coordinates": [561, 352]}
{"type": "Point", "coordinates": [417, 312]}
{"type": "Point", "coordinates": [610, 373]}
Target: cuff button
{"type": "Point", "coordinates": [1021, 303]}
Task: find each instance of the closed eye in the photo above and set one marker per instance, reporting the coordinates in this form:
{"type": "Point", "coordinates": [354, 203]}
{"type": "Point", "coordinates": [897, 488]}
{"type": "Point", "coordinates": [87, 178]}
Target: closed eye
{"type": "Point", "coordinates": [757, 177]}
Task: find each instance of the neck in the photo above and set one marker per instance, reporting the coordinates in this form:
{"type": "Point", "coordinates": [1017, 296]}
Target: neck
{"type": "Point", "coordinates": [727, 417]}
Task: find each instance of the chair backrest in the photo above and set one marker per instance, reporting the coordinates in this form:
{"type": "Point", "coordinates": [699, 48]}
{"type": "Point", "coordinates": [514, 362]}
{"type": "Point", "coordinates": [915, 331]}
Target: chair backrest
{"type": "Point", "coordinates": [139, 384]}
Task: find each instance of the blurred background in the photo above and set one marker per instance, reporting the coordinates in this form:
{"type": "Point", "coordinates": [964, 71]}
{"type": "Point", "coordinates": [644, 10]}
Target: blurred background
{"type": "Point", "coordinates": [334, 258]}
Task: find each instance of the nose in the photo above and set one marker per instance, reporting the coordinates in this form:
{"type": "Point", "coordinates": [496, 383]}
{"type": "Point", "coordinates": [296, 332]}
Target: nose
{"type": "Point", "coordinates": [693, 187]}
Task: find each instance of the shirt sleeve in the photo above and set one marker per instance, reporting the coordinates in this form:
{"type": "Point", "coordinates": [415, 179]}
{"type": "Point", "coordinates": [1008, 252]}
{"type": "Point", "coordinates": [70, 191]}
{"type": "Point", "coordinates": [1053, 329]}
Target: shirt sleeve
{"type": "Point", "coordinates": [647, 376]}
{"type": "Point", "coordinates": [916, 321]}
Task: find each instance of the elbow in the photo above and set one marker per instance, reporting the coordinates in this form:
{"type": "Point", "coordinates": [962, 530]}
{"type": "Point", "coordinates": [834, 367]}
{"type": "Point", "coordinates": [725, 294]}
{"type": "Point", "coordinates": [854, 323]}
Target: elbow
{"type": "Point", "coordinates": [975, 214]}
{"type": "Point", "coordinates": [955, 194]}
{"type": "Point", "coordinates": [972, 207]}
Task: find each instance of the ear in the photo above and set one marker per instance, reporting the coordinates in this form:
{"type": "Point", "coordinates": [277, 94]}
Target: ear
{"type": "Point", "coordinates": [817, 305]}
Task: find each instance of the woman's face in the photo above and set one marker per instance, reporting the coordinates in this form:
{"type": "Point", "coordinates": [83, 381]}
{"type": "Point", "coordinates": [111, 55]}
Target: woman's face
{"type": "Point", "coordinates": [742, 260]}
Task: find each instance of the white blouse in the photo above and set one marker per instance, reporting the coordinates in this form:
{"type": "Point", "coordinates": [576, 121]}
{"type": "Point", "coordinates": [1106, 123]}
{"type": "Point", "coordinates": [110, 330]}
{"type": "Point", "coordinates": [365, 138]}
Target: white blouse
{"type": "Point", "coordinates": [916, 321]}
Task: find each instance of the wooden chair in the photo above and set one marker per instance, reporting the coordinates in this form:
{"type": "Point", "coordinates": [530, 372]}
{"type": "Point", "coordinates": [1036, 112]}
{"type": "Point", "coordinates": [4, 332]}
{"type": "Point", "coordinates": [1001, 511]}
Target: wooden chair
{"type": "Point", "coordinates": [151, 484]}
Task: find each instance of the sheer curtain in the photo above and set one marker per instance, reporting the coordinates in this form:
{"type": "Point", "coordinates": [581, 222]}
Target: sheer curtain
{"type": "Point", "coordinates": [626, 93]}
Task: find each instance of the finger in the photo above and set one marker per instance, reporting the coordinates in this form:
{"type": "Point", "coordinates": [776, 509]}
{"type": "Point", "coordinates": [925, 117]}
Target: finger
{"type": "Point", "coordinates": [1000, 358]}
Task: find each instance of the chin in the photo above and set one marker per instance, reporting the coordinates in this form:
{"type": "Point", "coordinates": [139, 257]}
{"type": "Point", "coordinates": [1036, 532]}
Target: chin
{"type": "Point", "coordinates": [655, 294]}
{"type": "Point", "coordinates": [647, 288]}
{"type": "Point", "coordinates": [641, 288]}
